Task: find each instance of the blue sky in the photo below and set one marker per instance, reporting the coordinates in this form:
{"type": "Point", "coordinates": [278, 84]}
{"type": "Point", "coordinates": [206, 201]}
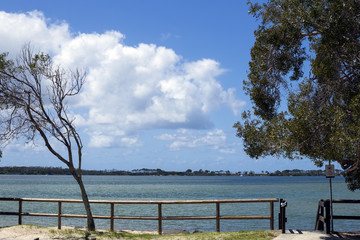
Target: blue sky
{"type": "Point", "coordinates": [164, 80]}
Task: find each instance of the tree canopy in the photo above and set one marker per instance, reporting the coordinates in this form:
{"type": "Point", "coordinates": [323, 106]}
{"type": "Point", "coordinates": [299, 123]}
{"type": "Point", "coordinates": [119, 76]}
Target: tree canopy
{"type": "Point", "coordinates": [304, 82]}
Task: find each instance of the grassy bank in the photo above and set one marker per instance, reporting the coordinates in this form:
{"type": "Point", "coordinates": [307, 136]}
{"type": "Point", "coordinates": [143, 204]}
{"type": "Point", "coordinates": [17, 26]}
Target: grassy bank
{"type": "Point", "coordinates": [34, 232]}
{"type": "Point", "coordinates": [245, 235]}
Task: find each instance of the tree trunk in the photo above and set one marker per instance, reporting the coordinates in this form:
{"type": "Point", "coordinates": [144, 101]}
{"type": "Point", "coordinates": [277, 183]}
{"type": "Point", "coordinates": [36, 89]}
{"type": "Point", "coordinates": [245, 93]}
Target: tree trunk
{"type": "Point", "coordinates": [90, 219]}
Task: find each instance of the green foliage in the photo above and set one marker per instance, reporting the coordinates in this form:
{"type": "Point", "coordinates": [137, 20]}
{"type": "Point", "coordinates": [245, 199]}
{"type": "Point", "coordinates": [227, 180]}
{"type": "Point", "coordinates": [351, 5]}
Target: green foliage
{"type": "Point", "coordinates": [62, 171]}
{"type": "Point", "coordinates": [320, 119]}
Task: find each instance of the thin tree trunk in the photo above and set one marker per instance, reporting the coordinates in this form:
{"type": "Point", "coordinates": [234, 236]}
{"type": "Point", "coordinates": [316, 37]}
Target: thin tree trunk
{"type": "Point", "coordinates": [90, 219]}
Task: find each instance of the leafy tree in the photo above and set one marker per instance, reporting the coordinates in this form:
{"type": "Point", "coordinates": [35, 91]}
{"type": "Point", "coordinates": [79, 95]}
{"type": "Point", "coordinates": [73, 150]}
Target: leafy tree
{"type": "Point", "coordinates": [33, 102]}
{"type": "Point", "coordinates": [306, 53]}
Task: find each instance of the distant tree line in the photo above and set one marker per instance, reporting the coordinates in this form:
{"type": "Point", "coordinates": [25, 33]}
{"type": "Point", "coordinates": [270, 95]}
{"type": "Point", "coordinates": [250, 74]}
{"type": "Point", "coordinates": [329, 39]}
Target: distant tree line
{"type": "Point", "coordinates": [159, 172]}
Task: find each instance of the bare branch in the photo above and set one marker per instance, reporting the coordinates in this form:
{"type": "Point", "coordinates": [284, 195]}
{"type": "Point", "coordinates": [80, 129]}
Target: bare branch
{"type": "Point", "coordinates": [33, 102]}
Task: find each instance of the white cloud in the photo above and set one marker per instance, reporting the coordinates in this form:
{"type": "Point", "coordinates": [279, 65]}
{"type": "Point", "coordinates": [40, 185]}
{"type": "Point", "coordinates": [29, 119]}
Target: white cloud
{"type": "Point", "coordinates": [128, 88]}
{"type": "Point", "coordinates": [101, 141]}
{"type": "Point", "coordinates": [33, 27]}
{"type": "Point", "coordinates": [228, 150]}
{"type": "Point", "coordinates": [18, 147]}
{"type": "Point", "coordinates": [185, 138]}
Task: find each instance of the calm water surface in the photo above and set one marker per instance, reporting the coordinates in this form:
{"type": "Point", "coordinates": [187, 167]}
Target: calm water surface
{"type": "Point", "coordinates": [301, 193]}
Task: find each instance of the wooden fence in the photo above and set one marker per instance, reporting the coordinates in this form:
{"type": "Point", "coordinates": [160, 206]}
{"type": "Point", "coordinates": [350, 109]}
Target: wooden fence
{"type": "Point", "coordinates": [323, 214]}
{"type": "Point", "coordinates": [160, 218]}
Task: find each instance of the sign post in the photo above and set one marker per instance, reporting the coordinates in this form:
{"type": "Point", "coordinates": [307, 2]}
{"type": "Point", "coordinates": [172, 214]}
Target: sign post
{"type": "Point", "coordinates": [330, 173]}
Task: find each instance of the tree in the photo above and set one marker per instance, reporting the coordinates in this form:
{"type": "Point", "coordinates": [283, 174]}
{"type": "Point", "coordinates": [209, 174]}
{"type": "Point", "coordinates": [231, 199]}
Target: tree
{"type": "Point", "coordinates": [306, 53]}
{"type": "Point", "coordinates": [33, 102]}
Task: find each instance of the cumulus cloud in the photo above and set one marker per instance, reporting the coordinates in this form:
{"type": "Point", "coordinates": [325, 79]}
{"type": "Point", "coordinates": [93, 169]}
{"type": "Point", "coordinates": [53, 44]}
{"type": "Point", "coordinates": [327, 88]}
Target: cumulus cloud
{"type": "Point", "coordinates": [16, 147]}
{"type": "Point", "coordinates": [186, 138]}
{"type": "Point", "coordinates": [128, 88]}
{"type": "Point", "coordinates": [18, 29]}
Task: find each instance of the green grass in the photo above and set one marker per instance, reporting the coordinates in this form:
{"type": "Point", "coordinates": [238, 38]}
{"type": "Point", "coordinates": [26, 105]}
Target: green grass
{"type": "Point", "coordinates": [107, 235]}
{"type": "Point", "coordinates": [245, 235]}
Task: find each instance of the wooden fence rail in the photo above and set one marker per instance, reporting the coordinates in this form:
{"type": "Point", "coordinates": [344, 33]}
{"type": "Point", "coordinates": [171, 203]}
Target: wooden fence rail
{"type": "Point", "coordinates": [160, 218]}
{"type": "Point", "coordinates": [323, 214]}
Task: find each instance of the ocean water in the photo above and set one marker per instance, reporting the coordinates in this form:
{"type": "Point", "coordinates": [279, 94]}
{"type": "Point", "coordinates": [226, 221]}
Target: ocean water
{"type": "Point", "coordinates": [301, 193]}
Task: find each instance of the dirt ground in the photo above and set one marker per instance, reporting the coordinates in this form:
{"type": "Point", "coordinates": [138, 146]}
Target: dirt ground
{"type": "Point", "coordinates": [25, 232]}
{"type": "Point", "coordinates": [28, 232]}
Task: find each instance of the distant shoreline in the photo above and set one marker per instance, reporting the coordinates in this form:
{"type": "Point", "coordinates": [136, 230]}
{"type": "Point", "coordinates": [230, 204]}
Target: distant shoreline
{"type": "Point", "coordinates": [157, 172]}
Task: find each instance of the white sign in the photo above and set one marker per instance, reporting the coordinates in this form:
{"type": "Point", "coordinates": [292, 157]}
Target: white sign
{"type": "Point", "coordinates": [330, 171]}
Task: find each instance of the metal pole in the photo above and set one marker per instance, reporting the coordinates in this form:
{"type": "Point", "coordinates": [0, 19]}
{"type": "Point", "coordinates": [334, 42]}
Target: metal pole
{"type": "Point", "coordinates": [331, 208]}
{"type": "Point", "coordinates": [282, 215]}
{"type": "Point", "coordinates": [331, 202]}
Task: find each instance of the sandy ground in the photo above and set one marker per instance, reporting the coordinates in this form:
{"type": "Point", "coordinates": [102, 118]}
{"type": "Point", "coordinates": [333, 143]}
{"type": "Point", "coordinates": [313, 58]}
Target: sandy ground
{"type": "Point", "coordinates": [26, 232]}
{"type": "Point", "coordinates": [316, 235]}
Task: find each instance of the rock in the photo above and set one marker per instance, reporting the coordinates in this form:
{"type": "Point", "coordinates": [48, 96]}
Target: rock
{"type": "Point", "coordinates": [88, 237]}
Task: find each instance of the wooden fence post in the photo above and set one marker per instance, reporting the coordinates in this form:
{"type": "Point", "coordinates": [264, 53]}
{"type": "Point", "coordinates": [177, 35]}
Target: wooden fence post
{"type": "Point", "coordinates": [271, 215]}
{"type": "Point", "coordinates": [160, 216]}
{"type": "Point", "coordinates": [159, 219]}
{"type": "Point", "coordinates": [321, 223]}
{"type": "Point", "coordinates": [327, 215]}
{"type": "Point", "coordinates": [112, 217]}
{"type": "Point", "coordinates": [218, 217]}
{"type": "Point", "coordinates": [20, 212]}
{"type": "Point", "coordinates": [59, 214]}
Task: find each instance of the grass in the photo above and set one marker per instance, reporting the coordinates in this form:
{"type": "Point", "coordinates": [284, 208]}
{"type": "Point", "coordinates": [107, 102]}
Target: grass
{"type": "Point", "coordinates": [105, 235]}
{"type": "Point", "coordinates": [108, 235]}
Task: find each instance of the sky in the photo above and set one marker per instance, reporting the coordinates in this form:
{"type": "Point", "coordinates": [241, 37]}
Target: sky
{"type": "Point", "coordinates": [164, 80]}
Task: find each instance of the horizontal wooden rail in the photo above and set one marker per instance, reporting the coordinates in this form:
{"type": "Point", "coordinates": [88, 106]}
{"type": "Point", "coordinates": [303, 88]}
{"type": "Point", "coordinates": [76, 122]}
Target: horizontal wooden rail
{"type": "Point", "coordinates": [345, 201]}
{"type": "Point", "coordinates": [346, 217]}
{"type": "Point", "coordinates": [144, 202]}
{"type": "Point", "coordinates": [159, 218]}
